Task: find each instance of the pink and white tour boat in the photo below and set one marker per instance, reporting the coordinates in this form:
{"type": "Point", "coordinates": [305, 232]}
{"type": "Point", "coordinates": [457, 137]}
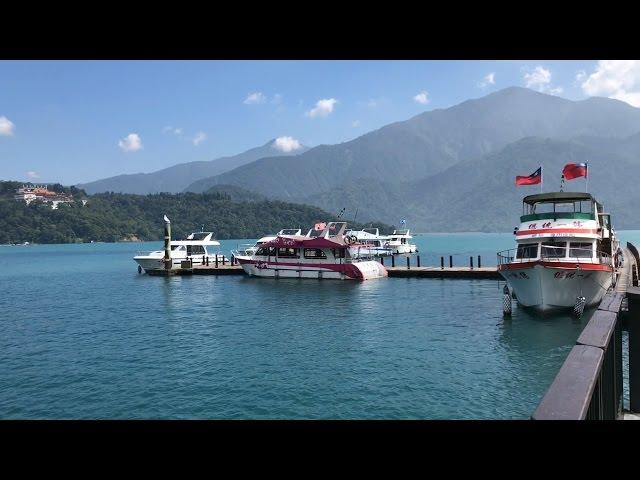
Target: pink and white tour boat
{"type": "Point", "coordinates": [325, 252]}
{"type": "Point", "coordinates": [565, 245]}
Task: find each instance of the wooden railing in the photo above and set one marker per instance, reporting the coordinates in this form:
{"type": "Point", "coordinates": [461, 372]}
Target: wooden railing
{"type": "Point", "coordinates": [589, 383]}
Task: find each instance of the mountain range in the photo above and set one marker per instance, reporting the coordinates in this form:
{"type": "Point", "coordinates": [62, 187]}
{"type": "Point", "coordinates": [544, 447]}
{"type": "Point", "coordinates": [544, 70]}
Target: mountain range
{"type": "Point", "coordinates": [453, 169]}
{"type": "Point", "coordinates": [178, 177]}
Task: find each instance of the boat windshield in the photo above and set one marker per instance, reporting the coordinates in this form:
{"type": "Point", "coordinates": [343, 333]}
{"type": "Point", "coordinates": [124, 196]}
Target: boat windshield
{"type": "Point", "coordinates": [577, 206]}
{"type": "Point", "coordinates": [289, 231]}
{"type": "Point", "coordinates": [199, 235]}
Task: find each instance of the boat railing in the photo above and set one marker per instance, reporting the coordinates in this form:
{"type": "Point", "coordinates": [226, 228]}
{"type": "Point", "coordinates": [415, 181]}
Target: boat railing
{"type": "Point", "coordinates": [147, 253]}
{"type": "Point", "coordinates": [244, 249]}
{"type": "Point", "coordinates": [550, 253]}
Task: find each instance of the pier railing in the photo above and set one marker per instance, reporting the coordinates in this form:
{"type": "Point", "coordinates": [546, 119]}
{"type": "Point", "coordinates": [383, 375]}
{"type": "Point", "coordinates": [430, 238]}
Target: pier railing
{"type": "Point", "coordinates": [589, 383]}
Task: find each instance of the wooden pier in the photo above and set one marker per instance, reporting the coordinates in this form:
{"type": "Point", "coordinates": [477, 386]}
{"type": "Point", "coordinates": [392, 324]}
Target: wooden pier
{"type": "Point", "coordinates": [589, 384]}
{"type": "Point", "coordinates": [412, 272]}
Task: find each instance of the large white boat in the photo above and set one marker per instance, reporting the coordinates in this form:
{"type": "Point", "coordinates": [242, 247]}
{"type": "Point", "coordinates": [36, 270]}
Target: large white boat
{"type": "Point", "coordinates": [565, 244]}
{"type": "Point", "coordinates": [323, 253]}
{"type": "Point", "coordinates": [196, 248]}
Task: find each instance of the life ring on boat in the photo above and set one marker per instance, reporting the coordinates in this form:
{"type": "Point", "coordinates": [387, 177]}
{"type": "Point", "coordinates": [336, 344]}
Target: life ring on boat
{"type": "Point", "coordinates": [350, 239]}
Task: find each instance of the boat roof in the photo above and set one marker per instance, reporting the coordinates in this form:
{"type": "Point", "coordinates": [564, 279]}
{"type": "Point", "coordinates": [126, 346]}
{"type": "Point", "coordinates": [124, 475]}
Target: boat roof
{"type": "Point", "coordinates": [323, 235]}
{"type": "Point", "coordinates": [557, 197]}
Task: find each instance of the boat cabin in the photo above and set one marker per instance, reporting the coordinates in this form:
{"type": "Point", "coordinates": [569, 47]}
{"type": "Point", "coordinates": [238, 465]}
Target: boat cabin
{"type": "Point", "coordinates": [563, 226]}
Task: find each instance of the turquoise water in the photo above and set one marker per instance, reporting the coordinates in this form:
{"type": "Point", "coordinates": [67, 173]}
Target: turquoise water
{"type": "Point", "coordinates": [82, 335]}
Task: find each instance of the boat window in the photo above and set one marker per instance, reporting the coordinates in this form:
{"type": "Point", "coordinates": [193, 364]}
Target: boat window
{"type": "Point", "coordinates": [195, 250]}
{"type": "Point", "coordinates": [338, 252]}
{"type": "Point", "coordinates": [177, 248]}
{"type": "Point", "coordinates": [566, 207]}
{"type": "Point", "coordinates": [314, 253]}
{"type": "Point", "coordinates": [554, 249]}
{"type": "Point", "coordinates": [527, 250]}
{"type": "Point", "coordinates": [580, 249]}
{"type": "Point", "coordinates": [285, 252]}
{"type": "Point", "coordinates": [271, 251]}
{"type": "Point", "coordinates": [262, 252]}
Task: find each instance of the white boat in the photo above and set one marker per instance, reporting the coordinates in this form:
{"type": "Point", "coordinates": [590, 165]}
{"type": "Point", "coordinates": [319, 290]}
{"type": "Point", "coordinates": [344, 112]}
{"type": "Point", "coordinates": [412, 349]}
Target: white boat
{"type": "Point", "coordinates": [565, 244]}
{"type": "Point", "coordinates": [195, 248]}
{"type": "Point", "coordinates": [371, 242]}
{"type": "Point", "coordinates": [399, 242]}
{"type": "Point", "coordinates": [250, 248]}
{"type": "Point", "coordinates": [323, 253]}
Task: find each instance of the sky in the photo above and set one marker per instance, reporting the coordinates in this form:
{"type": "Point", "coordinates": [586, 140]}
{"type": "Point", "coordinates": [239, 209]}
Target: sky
{"type": "Point", "coordinates": [77, 121]}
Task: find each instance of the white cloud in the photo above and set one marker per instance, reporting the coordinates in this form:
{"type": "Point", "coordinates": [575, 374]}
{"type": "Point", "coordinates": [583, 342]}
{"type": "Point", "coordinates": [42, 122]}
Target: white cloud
{"type": "Point", "coordinates": [286, 144]}
{"type": "Point", "coordinates": [176, 131]}
{"type": "Point", "coordinates": [489, 79]}
{"type": "Point", "coordinates": [33, 175]}
{"type": "Point", "coordinates": [6, 126]}
{"type": "Point", "coordinates": [619, 79]}
{"type": "Point", "coordinates": [580, 75]}
{"type": "Point", "coordinates": [199, 138]}
{"type": "Point", "coordinates": [323, 108]}
{"type": "Point", "coordinates": [540, 79]}
{"type": "Point", "coordinates": [277, 99]}
{"type": "Point", "coordinates": [355, 123]}
{"type": "Point", "coordinates": [130, 143]}
{"type": "Point", "coordinates": [422, 97]}
{"type": "Point", "coordinates": [255, 98]}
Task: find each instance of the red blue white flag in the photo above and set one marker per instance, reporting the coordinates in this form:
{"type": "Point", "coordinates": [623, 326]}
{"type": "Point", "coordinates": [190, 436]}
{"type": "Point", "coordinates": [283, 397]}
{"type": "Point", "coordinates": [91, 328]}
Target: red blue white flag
{"type": "Point", "coordinates": [533, 179]}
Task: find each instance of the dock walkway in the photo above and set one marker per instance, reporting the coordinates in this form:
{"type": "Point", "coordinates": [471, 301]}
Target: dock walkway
{"type": "Point", "coordinates": [417, 272]}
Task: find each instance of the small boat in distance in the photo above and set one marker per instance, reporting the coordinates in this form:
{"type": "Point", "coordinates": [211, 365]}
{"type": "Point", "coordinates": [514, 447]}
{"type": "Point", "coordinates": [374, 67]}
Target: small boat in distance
{"type": "Point", "coordinates": [565, 246]}
{"type": "Point", "coordinates": [399, 242]}
{"type": "Point", "coordinates": [325, 252]}
{"type": "Point", "coordinates": [195, 248]}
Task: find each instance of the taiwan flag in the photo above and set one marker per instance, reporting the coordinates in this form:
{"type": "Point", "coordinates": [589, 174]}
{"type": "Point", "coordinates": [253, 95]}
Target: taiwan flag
{"type": "Point", "coordinates": [533, 179]}
{"type": "Point", "coordinates": [574, 170]}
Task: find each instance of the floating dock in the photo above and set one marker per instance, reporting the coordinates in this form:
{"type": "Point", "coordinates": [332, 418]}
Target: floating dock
{"type": "Point", "coordinates": [417, 272]}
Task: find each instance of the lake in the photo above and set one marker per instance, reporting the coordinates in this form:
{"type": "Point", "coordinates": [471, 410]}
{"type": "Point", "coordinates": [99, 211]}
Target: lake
{"type": "Point", "coordinates": [83, 335]}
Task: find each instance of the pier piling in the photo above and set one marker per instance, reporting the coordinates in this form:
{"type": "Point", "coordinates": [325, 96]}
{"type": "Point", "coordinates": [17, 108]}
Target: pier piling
{"type": "Point", "coordinates": [418, 259]}
{"type": "Point", "coordinates": [450, 261]}
{"type": "Point", "coordinates": [479, 264]}
{"type": "Point", "coordinates": [442, 263]}
{"type": "Point", "coordinates": [408, 263]}
{"type": "Point", "coordinates": [393, 261]}
{"type": "Point", "coordinates": [167, 244]}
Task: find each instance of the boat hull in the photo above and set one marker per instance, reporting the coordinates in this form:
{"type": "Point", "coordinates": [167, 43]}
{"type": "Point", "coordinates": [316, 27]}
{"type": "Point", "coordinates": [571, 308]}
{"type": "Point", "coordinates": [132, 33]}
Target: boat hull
{"type": "Point", "coordinates": [547, 287]}
{"type": "Point", "coordinates": [403, 249]}
{"type": "Point", "coordinates": [346, 271]}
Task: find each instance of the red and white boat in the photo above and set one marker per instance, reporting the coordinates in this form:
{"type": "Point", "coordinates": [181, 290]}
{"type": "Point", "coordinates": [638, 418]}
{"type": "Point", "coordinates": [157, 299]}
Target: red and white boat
{"type": "Point", "coordinates": [565, 245]}
{"type": "Point", "coordinates": [325, 252]}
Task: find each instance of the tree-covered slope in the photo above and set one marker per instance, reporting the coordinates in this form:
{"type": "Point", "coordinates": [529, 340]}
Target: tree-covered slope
{"type": "Point", "coordinates": [113, 217]}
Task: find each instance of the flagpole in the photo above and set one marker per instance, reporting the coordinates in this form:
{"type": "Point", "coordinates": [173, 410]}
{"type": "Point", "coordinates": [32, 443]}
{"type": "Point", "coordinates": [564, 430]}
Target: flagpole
{"type": "Point", "coordinates": [541, 178]}
{"type": "Point", "coordinates": [586, 177]}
